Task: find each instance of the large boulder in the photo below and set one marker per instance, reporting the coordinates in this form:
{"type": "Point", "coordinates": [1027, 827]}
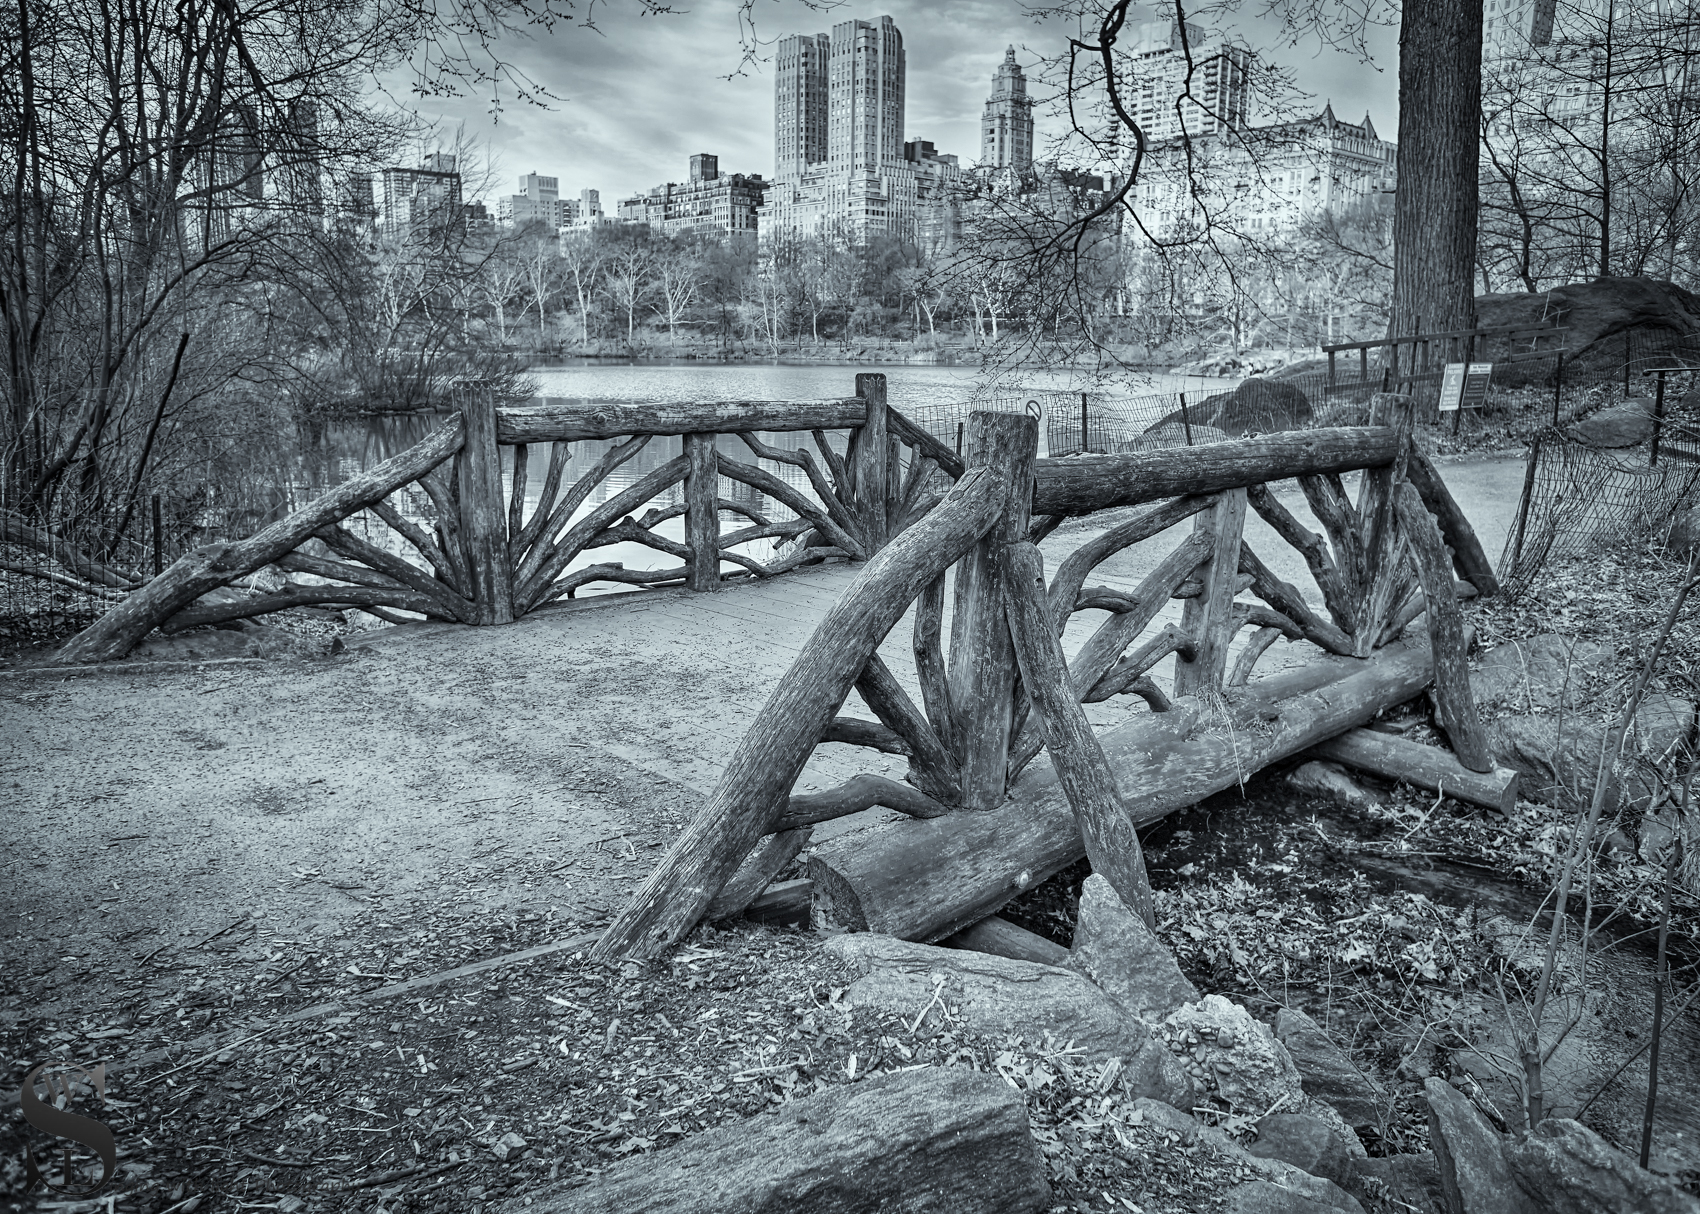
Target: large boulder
{"type": "Point", "coordinates": [1276, 1187]}
{"type": "Point", "coordinates": [929, 1140]}
{"type": "Point", "coordinates": [1257, 406]}
{"type": "Point", "coordinates": [999, 996]}
{"type": "Point", "coordinates": [1408, 1182]}
{"type": "Point", "coordinates": [1325, 1070]}
{"type": "Point", "coordinates": [1233, 1056]}
{"type": "Point", "coordinates": [1541, 674]}
{"type": "Point", "coordinates": [1623, 425]}
{"type": "Point", "coordinates": [1569, 1169]}
{"type": "Point", "coordinates": [1598, 314]}
{"type": "Point", "coordinates": [1475, 1176]}
{"type": "Point", "coordinates": [1307, 1141]}
{"type": "Point", "coordinates": [1123, 957]}
{"type": "Point", "coordinates": [1557, 754]}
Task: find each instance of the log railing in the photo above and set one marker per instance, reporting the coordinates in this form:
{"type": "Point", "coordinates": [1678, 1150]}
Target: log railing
{"type": "Point", "coordinates": [484, 556]}
{"type": "Point", "coordinates": [1003, 688]}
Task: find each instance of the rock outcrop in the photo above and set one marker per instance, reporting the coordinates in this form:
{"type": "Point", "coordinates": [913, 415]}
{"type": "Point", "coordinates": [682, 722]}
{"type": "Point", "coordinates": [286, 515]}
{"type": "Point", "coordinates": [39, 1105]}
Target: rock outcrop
{"type": "Point", "coordinates": [1598, 314]}
{"type": "Point", "coordinates": [1326, 1072]}
{"type": "Point", "coordinates": [1123, 957]}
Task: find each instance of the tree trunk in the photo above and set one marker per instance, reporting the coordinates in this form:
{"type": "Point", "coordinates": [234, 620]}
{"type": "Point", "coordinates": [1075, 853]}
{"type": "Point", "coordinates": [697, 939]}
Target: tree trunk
{"type": "Point", "coordinates": [1435, 208]}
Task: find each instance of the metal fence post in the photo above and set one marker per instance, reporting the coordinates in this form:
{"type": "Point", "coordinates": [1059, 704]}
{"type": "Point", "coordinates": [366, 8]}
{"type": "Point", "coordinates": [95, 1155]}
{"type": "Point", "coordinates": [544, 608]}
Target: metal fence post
{"type": "Point", "coordinates": [1557, 387]}
{"type": "Point", "coordinates": [1658, 418]}
{"type": "Point", "coordinates": [158, 539]}
{"type": "Point", "coordinates": [1186, 419]}
{"type": "Point", "coordinates": [1085, 446]}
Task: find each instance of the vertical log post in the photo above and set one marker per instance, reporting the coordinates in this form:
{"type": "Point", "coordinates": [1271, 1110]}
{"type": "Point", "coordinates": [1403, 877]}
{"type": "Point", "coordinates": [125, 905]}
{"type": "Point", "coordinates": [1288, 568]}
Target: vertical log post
{"type": "Point", "coordinates": [982, 655]}
{"type": "Point", "coordinates": [702, 513]}
{"type": "Point", "coordinates": [1082, 769]}
{"type": "Point", "coordinates": [483, 517]}
{"type": "Point", "coordinates": [1375, 517]}
{"type": "Point", "coordinates": [1209, 618]}
{"type": "Point", "coordinates": [1453, 697]}
{"type": "Point", "coordinates": [866, 463]}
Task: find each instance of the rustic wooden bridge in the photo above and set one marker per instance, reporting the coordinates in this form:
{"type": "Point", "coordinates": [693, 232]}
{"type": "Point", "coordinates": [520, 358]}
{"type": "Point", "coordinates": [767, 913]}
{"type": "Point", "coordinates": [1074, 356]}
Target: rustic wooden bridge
{"type": "Point", "coordinates": [933, 538]}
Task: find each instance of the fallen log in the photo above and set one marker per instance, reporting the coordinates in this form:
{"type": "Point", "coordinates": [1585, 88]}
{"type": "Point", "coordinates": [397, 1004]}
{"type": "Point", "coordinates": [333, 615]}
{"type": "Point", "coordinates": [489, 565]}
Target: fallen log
{"type": "Point", "coordinates": [756, 873]}
{"type": "Point", "coordinates": [1001, 938]}
{"type": "Point", "coordinates": [926, 880]}
{"type": "Point", "coordinates": [852, 797]}
{"type": "Point", "coordinates": [1427, 767]}
{"type": "Point", "coordinates": [937, 1138]}
{"type": "Point", "coordinates": [782, 902]}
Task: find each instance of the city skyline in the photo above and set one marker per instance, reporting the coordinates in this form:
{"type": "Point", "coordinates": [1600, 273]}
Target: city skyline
{"type": "Point", "coordinates": [608, 130]}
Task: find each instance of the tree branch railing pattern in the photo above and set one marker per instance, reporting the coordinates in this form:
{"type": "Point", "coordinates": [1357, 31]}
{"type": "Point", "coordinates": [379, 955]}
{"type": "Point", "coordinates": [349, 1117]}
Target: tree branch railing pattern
{"type": "Point", "coordinates": [434, 532]}
{"type": "Point", "coordinates": [1002, 689]}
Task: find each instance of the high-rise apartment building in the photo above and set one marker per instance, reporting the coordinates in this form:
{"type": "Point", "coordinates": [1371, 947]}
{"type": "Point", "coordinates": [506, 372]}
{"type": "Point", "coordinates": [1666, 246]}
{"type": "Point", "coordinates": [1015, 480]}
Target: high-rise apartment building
{"type": "Point", "coordinates": [414, 198]}
{"type": "Point", "coordinates": [710, 201]}
{"type": "Point", "coordinates": [1192, 85]}
{"type": "Point", "coordinates": [841, 164]}
{"type": "Point", "coordinates": [539, 201]}
{"type": "Point", "coordinates": [1006, 132]}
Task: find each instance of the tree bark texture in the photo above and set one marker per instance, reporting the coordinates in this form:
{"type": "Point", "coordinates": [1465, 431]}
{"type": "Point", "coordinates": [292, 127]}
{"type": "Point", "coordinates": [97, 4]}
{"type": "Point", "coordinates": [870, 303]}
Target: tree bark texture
{"type": "Point", "coordinates": [982, 656]}
{"type": "Point", "coordinates": [925, 880]}
{"type": "Point", "coordinates": [702, 511]}
{"type": "Point", "coordinates": [1001, 938]}
{"type": "Point", "coordinates": [571, 421]}
{"type": "Point", "coordinates": [213, 565]}
{"type": "Point", "coordinates": [1427, 767]}
{"type": "Point", "coordinates": [1437, 202]}
{"type": "Point", "coordinates": [867, 461]}
{"type": "Point", "coordinates": [1076, 755]}
{"type": "Point", "coordinates": [752, 793]}
{"type": "Point", "coordinates": [1208, 619]}
{"type": "Point", "coordinates": [1468, 559]}
{"type": "Point", "coordinates": [1082, 484]}
{"type": "Point", "coordinates": [757, 872]}
{"type": "Point", "coordinates": [483, 521]}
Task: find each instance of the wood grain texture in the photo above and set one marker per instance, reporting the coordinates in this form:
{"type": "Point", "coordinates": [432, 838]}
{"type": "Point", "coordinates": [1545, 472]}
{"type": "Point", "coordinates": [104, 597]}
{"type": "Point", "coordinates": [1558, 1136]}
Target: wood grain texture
{"type": "Point", "coordinates": [1424, 766]}
{"type": "Point", "coordinates": [213, 565]}
{"type": "Point", "coordinates": [1452, 693]}
{"type": "Point", "coordinates": [1468, 559]}
{"type": "Point", "coordinates": [1285, 598]}
{"type": "Point", "coordinates": [1076, 755]}
{"type": "Point", "coordinates": [579, 535]}
{"type": "Point", "coordinates": [982, 655]}
{"type": "Point", "coordinates": [867, 463]}
{"type": "Point", "coordinates": [1082, 484]}
{"type": "Point", "coordinates": [752, 792]}
{"type": "Point", "coordinates": [853, 731]}
{"type": "Point", "coordinates": [422, 543]}
{"type": "Point", "coordinates": [560, 454]}
{"type": "Point", "coordinates": [1382, 539]}
{"type": "Point", "coordinates": [1071, 574]}
{"type": "Point", "coordinates": [483, 515]}
{"type": "Point", "coordinates": [762, 479]}
{"type": "Point", "coordinates": [1323, 567]}
{"type": "Point", "coordinates": [757, 872]}
{"type": "Point", "coordinates": [852, 797]}
{"type": "Point", "coordinates": [572, 421]}
{"type": "Point", "coordinates": [702, 512]}
{"type": "Point", "coordinates": [924, 443]}
{"type": "Point", "coordinates": [1254, 649]}
{"type": "Point", "coordinates": [930, 667]}
{"type": "Point", "coordinates": [936, 771]}
{"type": "Point", "coordinates": [926, 880]}
{"type": "Point", "coordinates": [1208, 619]}
{"type": "Point", "coordinates": [1001, 938]}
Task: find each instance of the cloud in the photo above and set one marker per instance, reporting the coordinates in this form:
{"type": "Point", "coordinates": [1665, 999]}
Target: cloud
{"type": "Point", "coordinates": [634, 99]}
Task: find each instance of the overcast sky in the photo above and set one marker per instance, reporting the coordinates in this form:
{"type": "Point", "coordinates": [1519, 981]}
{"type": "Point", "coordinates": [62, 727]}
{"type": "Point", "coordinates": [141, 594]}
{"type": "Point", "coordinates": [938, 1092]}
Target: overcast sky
{"type": "Point", "coordinates": [634, 101]}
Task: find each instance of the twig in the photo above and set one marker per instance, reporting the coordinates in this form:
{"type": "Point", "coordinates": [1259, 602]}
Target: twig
{"type": "Point", "coordinates": [221, 931]}
{"type": "Point", "coordinates": [417, 1171]}
{"type": "Point", "coordinates": [278, 1163]}
{"type": "Point", "coordinates": [211, 1056]}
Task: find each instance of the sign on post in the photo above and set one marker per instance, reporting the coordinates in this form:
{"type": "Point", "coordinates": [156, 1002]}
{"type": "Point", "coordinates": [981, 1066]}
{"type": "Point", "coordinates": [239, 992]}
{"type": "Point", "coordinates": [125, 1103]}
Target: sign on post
{"type": "Point", "coordinates": [1452, 387]}
{"type": "Point", "coordinates": [1464, 385]}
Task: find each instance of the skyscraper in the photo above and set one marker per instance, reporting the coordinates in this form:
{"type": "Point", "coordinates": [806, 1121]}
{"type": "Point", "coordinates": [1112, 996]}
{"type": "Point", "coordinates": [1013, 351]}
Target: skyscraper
{"type": "Point", "coordinates": [1006, 133]}
{"type": "Point", "coordinates": [1166, 103]}
{"type": "Point", "coordinates": [840, 159]}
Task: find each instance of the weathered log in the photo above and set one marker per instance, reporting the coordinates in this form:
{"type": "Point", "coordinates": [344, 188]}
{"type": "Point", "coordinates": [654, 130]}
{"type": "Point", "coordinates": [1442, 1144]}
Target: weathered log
{"type": "Point", "coordinates": [519, 542]}
{"type": "Point", "coordinates": [46, 574]}
{"type": "Point", "coordinates": [933, 1139]}
{"type": "Point", "coordinates": [364, 597]}
{"type": "Point", "coordinates": [340, 571]}
{"type": "Point", "coordinates": [788, 530]}
{"type": "Point", "coordinates": [408, 574]}
{"type": "Point", "coordinates": [760, 478]}
{"type": "Point", "coordinates": [726, 505]}
{"type": "Point", "coordinates": [1001, 938]}
{"type": "Point", "coordinates": [1254, 649]}
{"type": "Point", "coordinates": [852, 797]}
{"type": "Point", "coordinates": [1417, 604]}
{"type": "Point", "coordinates": [561, 553]}
{"type": "Point", "coordinates": [835, 464]}
{"type": "Point", "coordinates": [516, 496]}
{"type": "Point", "coordinates": [1084, 483]}
{"type": "Point", "coordinates": [629, 531]}
{"type": "Point", "coordinates": [925, 444]}
{"type": "Point", "coordinates": [483, 521]}
{"type": "Point", "coordinates": [1193, 587]}
{"type": "Point", "coordinates": [14, 529]}
{"type": "Point", "coordinates": [442, 487]}
{"type": "Point", "coordinates": [1468, 558]}
{"type": "Point", "coordinates": [1457, 703]}
{"type": "Point", "coordinates": [564, 421]}
{"type": "Point", "coordinates": [1424, 766]}
{"type": "Point", "coordinates": [702, 519]}
{"type": "Point", "coordinates": [1153, 695]}
{"type": "Point", "coordinates": [1327, 498]}
{"type": "Point", "coordinates": [866, 461]}
{"type": "Point", "coordinates": [928, 646]}
{"type": "Point", "coordinates": [1383, 541]}
{"type": "Point", "coordinates": [751, 794]}
{"type": "Point", "coordinates": [213, 565]}
{"type": "Point", "coordinates": [1315, 551]}
{"type": "Point", "coordinates": [853, 731]}
{"type": "Point", "coordinates": [935, 769]}
{"type": "Point", "coordinates": [1072, 573]}
{"type": "Point", "coordinates": [1208, 619]}
{"type": "Point", "coordinates": [982, 656]}
{"type": "Point", "coordinates": [1285, 598]}
{"type": "Point", "coordinates": [806, 555]}
{"type": "Point", "coordinates": [543, 546]}
{"type": "Point", "coordinates": [1126, 672]}
{"type": "Point", "coordinates": [422, 543]}
{"type": "Point", "coordinates": [925, 880]}
{"type": "Point", "coordinates": [783, 902]}
{"type": "Point", "coordinates": [757, 872]}
{"type": "Point", "coordinates": [1076, 755]}
{"type": "Point", "coordinates": [612, 572]}
{"type": "Point", "coordinates": [800, 458]}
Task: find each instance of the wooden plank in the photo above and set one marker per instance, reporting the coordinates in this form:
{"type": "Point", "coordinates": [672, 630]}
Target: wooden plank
{"type": "Point", "coordinates": [1082, 484]}
{"type": "Point", "coordinates": [1078, 758]}
{"type": "Point", "coordinates": [558, 420]}
{"type": "Point", "coordinates": [702, 512]}
{"type": "Point", "coordinates": [1453, 697]}
{"type": "Point", "coordinates": [483, 521]}
{"type": "Point", "coordinates": [752, 793]}
{"type": "Point", "coordinates": [1208, 619]}
{"type": "Point", "coordinates": [1427, 767]}
{"type": "Point", "coordinates": [982, 655]}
